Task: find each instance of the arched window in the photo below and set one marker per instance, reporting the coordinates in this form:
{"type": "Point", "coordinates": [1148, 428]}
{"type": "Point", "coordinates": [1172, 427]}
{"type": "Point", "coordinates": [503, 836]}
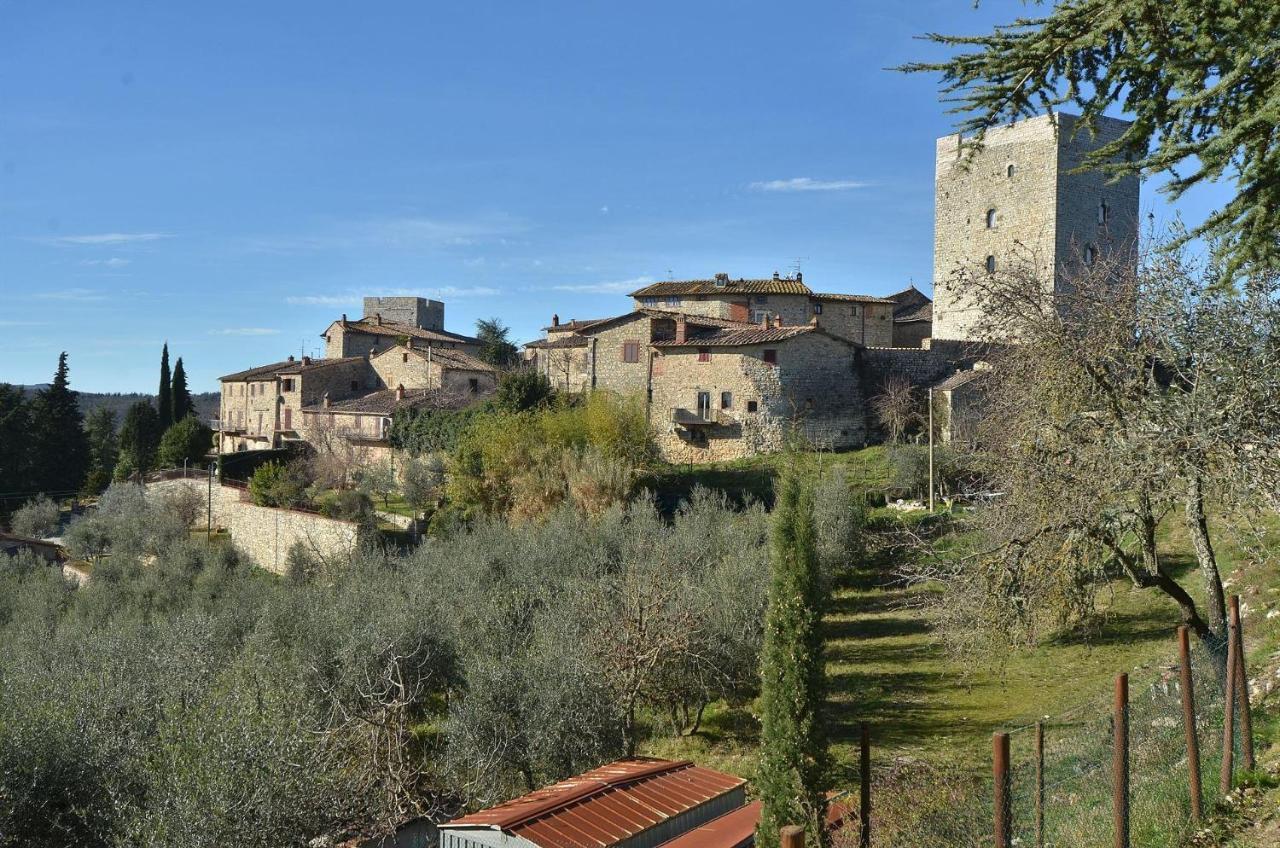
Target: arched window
{"type": "Point", "coordinates": [991, 264]}
{"type": "Point", "coordinates": [1103, 212]}
{"type": "Point", "coordinates": [1008, 171]}
{"type": "Point", "coordinates": [991, 219]}
{"type": "Point", "coordinates": [1090, 254]}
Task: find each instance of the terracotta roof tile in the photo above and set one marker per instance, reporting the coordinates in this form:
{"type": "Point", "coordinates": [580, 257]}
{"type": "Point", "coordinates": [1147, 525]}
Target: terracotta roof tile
{"type": "Point", "coordinates": [383, 401]}
{"type": "Point", "coordinates": [738, 336]}
{"type": "Point", "coordinates": [782, 285]}
{"type": "Point", "coordinates": [394, 328]}
{"type": "Point", "coordinates": [852, 298]}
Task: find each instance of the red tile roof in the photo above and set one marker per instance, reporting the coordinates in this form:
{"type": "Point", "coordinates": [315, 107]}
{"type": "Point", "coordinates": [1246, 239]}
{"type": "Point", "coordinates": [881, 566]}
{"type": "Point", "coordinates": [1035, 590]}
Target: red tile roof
{"type": "Point", "coordinates": [372, 327]}
{"type": "Point", "coordinates": [779, 285]}
{"type": "Point", "coordinates": [739, 336]}
{"type": "Point", "coordinates": [604, 806]}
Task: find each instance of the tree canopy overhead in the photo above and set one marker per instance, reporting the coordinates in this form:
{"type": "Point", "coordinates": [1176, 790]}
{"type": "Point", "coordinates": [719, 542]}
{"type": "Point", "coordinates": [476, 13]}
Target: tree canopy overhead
{"type": "Point", "coordinates": [1200, 79]}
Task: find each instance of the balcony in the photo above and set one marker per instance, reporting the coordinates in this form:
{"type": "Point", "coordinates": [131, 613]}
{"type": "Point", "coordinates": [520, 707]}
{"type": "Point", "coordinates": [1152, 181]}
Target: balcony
{"type": "Point", "coordinates": [705, 418]}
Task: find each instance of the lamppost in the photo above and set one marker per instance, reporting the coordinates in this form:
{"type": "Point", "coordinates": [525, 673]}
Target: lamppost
{"type": "Point", "coordinates": [208, 530]}
{"type": "Point", "coordinates": [931, 449]}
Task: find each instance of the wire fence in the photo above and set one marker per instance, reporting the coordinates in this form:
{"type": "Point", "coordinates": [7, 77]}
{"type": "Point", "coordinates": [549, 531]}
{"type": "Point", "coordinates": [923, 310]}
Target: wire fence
{"type": "Point", "coordinates": [1065, 785]}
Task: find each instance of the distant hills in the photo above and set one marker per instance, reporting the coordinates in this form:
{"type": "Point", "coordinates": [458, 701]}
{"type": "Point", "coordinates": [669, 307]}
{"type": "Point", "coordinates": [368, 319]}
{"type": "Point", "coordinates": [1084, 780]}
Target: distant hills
{"type": "Point", "coordinates": [206, 402]}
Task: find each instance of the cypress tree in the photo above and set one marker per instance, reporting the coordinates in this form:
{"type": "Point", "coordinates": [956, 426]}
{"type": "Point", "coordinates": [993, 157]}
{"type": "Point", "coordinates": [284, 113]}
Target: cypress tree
{"type": "Point", "coordinates": [59, 447]}
{"type": "Point", "coordinates": [15, 441]}
{"type": "Point", "coordinates": [164, 399]}
{"type": "Point", "coordinates": [182, 403]}
{"type": "Point", "coordinates": [139, 438]}
{"type": "Point", "coordinates": [100, 427]}
{"type": "Point", "coordinates": [794, 761]}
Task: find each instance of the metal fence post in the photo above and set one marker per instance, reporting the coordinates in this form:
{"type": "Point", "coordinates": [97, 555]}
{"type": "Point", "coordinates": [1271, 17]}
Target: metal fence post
{"type": "Point", "coordinates": [792, 836]}
{"type": "Point", "coordinates": [1039, 784]}
{"type": "Point", "coordinates": [1120, 764]}
{"type": "Point", "coordinates": [1229, 716]}
{"type": "Point", "coordinates": [1242, 688]}
{"type": "Point", "coordinates": [1000, 772]}
{"type": "Point", "coordinates": [1189, 723]}
{"type": "Point", "coordinates": [864, 806]}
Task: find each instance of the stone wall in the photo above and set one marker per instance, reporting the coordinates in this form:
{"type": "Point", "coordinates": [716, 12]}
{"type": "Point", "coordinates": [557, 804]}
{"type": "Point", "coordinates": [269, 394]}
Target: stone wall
{"type": "Point", "coordinates": [814, 387]}
{"type": "Point", "coordinates": [610, 370]}
{"type": "Point", "coordinates": [1042, 214]}
{"type": "Point", "coordinates": [415, 311]}
{"type": "Point", "coordinates": [266, 534]}
{"type": "Point", "coordinates": [865, 323]}
{"type": "Point", "coordinates": [920, 366]}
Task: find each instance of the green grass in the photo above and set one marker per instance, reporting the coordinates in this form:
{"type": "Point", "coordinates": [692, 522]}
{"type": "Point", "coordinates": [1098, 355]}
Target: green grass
{"type": "Point", "coordinates": [888, 668]}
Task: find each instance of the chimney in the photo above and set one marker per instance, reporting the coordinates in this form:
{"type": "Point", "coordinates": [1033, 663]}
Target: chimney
{"type": "Point", "coordinates": [306, 360]}
{"type": "Point", "coordinates": [378, 317]}
{"type": "Point", "coordinates": [813, 322]}
{"type": "Point", "coordinates": [764, 322]}
{"type": "Point", "coordinates": [400, 392]}
{"type": "Point", "coordinates": [555, 320]}
{"type": "Point", "coordinates": [776, 276]}
{"type": "Point", "coordinates": [291, 357]}
{"type": "Point", "coordinates": [326, 400]}
{"type": "Point", "coordinates": [409, 343]}
{"type": "Point", "coordinates": [682, 329]}
{"type": "Point", "coordinates": [344, 319]}
{"type": "Point", "coordinates": [777, 321]}
{"type": "Point", "coordinates": [799, 277]}
{"type": "Point", "coordinates": [722, 279]}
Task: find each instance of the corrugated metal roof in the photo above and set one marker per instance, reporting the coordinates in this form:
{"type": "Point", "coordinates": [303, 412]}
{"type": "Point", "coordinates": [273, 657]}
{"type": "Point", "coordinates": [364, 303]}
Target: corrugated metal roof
{"type": "Point", "coordinates": [729, 831]}
{"type": "Point", "coordinates": [604, 806]}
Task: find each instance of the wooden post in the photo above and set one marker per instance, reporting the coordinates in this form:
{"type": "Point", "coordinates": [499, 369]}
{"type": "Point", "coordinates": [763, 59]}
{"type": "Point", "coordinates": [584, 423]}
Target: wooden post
{"type": "Point", "coordinates": [1000, 772]}
{"type": "Point", "coordinates": [792, 836]}
{"type": "Point", "coordinates": [1229, 716]}
{"type": "Point", "coordinates": [1039, 784]}
{"type": "Point", "coordinates": [1189, 724]}
{"type": "Point", "coordinates": [1120, 764]}
{"type": "Point", "coordinates": [864, 805]}
{"type": "Point", "coordinates": [1242, 688]}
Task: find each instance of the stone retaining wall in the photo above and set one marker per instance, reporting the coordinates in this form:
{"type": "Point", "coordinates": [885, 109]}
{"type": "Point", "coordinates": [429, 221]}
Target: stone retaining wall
{"type": "Point", "coordinates": [265, 534]}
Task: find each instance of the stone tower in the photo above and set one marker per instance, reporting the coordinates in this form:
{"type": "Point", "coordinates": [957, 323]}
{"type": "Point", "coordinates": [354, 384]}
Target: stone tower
{"type": "Point", "coordinates": [414, 311]}
{"type": "Point", "coordinates": [1019, 200]}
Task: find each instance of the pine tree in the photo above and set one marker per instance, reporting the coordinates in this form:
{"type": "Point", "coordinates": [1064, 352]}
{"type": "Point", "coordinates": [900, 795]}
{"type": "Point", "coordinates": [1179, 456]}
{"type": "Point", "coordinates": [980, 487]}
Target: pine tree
{"type": "Point", "coordinates": [59, 447]}
{"type": "Point", "coordinates": [183, 406]}
{"type": "Point", "coordinates": [139, 439]}
{"type": "Point", "coordinates": [15, 440]}
{"type": "Point", "coordinates": [104, 449]}
{"type": "Point", "coordinates": [794, 761]}
{"type": "Point", "coordinates": [164, 399]}
{"type": "Point", "coordinates": [495, 346]}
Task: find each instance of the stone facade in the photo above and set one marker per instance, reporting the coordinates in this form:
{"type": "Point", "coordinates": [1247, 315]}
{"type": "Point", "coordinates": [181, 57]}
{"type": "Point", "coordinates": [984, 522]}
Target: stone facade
{"type": "Point", "coordinates": [723, 403]}
{"type": "Point", "coordinates": [1017, 201]}
{"type": "Point", "coordinates": [863, 320]}
{"type": "Point", "coordinates": [415, 311]}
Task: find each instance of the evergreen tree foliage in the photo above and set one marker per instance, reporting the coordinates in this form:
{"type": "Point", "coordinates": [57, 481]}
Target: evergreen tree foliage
{"type": "Point", "coordinates": [164, 397]}
{"type": "Point", "coordinates": [104, 449]}
{"type": "Point", "coordinates": [188, 439]}
{"type": "Point", "coordinates": [15, 445]}
{"type": "Point", "coordinates": [139, 438]}
{"type": "Point", "coordinates": [59, 447]}
{"type": "Point", "coordinates": [495, 346]}
{"type": "Point", "coordinates": [794, 761]}
{"type": "Point", "coordinates": [183, 406]}
{"type": "Point", "coordinates": [1201, 79]}
{"type": "Point", "coordinates": [521, 390]}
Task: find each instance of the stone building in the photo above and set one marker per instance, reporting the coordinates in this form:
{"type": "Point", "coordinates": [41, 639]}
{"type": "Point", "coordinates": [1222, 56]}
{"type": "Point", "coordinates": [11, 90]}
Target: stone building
{"type": "Point", "coordinates": [857, 318]}
{"type": "Point", "coordinates": [912, 317]}
{"type": "Point", "coordinates": [272, 405]}
{"type": "Point", "coordinates": [404, 319]}
{"type": "Point", "coordinates": [1020, 200]}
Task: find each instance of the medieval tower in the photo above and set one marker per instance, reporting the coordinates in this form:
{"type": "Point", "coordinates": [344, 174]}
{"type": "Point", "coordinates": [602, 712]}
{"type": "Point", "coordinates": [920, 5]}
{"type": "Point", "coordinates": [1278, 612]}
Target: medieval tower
{"type": "Point", "coordinates": [1018, 200]}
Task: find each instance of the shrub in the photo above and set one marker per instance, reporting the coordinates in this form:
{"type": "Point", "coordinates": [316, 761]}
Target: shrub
{"type": "Point", "coordinates": [188, 440]}
{"type": "Point", "coordinates": [523, 390]}
{"type": "Point", "coordinates": [348, 506]}
{"type": "Point", "coordinates": [37, 518]}
{"type": "Point", "coordinates": [274, 484]}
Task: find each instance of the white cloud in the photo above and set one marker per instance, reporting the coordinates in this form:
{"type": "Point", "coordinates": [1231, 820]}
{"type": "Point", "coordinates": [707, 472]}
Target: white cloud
{"type": "Point", "coordinates": [100, 239]}
{"type": "Point", "coordinates": [403, 233]}
{"type": "Point", "coordinates": [604, 210]}
{"type": "Point", "coordinates": [613, 287]}
{"type": "Point", "coordinates": [73, 294]}
{"type": "Point", "coordinates": [357, 298]}
{"type": "Point", "coordinates": [245, 331]}
{"type": "Point", "coordinates": [808, 184]}
{"type": "Point", "coordinates": [113, 262]}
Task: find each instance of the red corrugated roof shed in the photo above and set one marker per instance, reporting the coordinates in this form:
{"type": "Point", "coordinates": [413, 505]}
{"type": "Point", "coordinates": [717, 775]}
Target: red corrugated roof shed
{"type": "Point", "coordinates": [729, 831]}
{"type": "Point", "coordinates": [604, 806]}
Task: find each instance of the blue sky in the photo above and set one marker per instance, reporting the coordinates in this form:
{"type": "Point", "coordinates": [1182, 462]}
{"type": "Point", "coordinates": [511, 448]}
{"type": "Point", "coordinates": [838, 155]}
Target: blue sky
{"type": "Point", "coordinates": [232, 176]}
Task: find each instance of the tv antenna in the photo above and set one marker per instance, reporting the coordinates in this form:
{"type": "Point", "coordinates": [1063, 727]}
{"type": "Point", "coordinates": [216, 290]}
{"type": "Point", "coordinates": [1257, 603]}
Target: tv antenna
{"type": "Point", "coordinates": [796, 266]}
{"type": "Point", "coordinates": [670, 275]}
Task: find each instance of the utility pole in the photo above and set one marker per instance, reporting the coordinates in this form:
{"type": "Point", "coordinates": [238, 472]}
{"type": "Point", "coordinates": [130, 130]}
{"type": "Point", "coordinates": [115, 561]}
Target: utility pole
{"type": "Point", "coordinates": [208, 530]}
{"type": "Point", "coordinates": [931, 449]}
